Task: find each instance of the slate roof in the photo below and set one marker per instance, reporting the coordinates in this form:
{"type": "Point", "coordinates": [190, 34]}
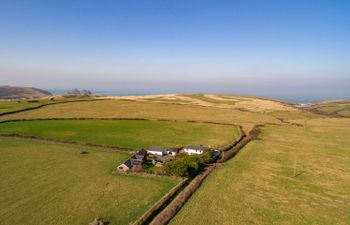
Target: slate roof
{"type": "Point", "coordinates": [136, 159]}
{"type": "Point", "coordinates": [128, 163]}
{"type": "Point", "coordinates": [157, 149]}
{"type": "Point", "coordinates": [173, 149]}
{"type": "Point", "coordinates": [141, 152]}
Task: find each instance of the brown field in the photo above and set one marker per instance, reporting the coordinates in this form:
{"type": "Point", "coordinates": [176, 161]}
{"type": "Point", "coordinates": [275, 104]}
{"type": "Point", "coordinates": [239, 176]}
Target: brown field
{"type": "Point", "coordinates": [141, 109]}
{"type": "Point", "coordinates": [258, 186]}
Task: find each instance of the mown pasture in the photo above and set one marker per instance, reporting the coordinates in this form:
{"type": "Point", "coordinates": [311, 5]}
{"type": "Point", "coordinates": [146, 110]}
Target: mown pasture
{"type": "Point", "coordinates": [293, 175]}
{"type": "Point", "coordinates": [127, 133]}
{"type": "Point", "coordinates": [43, 183]}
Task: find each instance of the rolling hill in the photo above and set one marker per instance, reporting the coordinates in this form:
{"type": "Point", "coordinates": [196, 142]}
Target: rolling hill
{"type": "Point", "coordinates": [10, 92]}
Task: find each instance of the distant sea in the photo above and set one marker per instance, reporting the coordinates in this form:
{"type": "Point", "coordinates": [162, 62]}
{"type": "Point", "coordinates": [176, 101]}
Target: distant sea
{"type": "Point", "coordinates": [293, 99]}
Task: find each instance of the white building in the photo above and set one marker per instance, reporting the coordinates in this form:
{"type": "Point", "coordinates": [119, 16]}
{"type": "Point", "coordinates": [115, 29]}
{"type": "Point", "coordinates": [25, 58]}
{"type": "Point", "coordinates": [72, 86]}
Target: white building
{"type": "Point", "coordinates": [172, 151]}
{"type": "Point", "coordinates": [157, 151]}
{"type": "Point", "coordinates": [195, 149]}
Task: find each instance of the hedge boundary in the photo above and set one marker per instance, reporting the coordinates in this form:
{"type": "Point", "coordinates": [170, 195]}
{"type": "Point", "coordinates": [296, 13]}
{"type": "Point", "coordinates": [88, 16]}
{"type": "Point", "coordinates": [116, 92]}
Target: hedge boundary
{"type": "Point", "coordinates": [236, 141]}
{"type": "Point", "coordinates": [174, 207]}
{"type": "Point", "coordinates": [252, 135]}
{"type": "Point", "coordinates": [227, 153]}
{"type": "Point", "coordinates": [151, 213]}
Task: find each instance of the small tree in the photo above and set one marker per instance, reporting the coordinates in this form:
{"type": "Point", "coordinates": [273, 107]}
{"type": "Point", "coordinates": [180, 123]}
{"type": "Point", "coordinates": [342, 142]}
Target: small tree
{"type": "Point", "coordinates": [187, 165]}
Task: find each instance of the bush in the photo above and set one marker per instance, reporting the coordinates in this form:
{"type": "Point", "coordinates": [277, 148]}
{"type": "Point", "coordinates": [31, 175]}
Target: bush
{"type": "Point", "coordinates": [187, 165]}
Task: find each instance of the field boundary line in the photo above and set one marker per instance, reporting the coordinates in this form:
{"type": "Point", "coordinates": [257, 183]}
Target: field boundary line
{"type": "Point", "coordinates": [60, 141]}
{"type": "Point", "coordinates": [150, 213]}
{"type": "Point", "coordinates": [47, 104]}
{"type": "Point", "coordinates": [118, 118]}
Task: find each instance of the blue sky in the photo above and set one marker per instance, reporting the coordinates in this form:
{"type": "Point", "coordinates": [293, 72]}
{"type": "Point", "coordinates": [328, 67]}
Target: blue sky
{"type": "Point", "coordinates": [274, 48]}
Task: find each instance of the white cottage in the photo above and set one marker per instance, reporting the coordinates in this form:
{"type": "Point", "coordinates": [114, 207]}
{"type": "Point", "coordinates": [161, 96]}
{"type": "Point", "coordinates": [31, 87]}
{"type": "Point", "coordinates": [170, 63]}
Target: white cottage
{"type": "Point", "coordinates": [195, 149]}
{"type": "Point", "coordinates": [157, 151]}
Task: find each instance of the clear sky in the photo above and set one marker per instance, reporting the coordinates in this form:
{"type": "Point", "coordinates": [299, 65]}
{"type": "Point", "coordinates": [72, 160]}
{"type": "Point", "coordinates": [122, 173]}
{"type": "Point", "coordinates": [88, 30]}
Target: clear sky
{"type": "Point", "coordinates": [277, 48]}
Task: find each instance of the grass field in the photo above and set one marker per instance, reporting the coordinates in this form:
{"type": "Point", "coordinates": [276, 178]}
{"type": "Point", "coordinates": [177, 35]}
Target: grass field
{"type": "Point", "coordinates": [42, 182]}
{"type": "Point", "coordinates": [243, 103]}
{"type": "Point", "coordinates": [335, 108]}
{"type": "Point", "coordinates": [127, 133]}
{"type": "Point", "coordinates": [45, 183]}
{"type": "Point", "coordinates": [258, 187]}
{"type": "Point", "coordinates": [9, 106]}
{"type": "Point", "coordinates": [149, 110]}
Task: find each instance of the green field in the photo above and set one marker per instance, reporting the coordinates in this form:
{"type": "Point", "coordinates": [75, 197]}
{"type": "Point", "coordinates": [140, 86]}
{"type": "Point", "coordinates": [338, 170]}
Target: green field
{"type": "Point", "coordinates": [258, 186]}
{"type": "Point", "coordinates": [127, 133]}
{"type": "Point", "coordinates": [8, 106]}
{"type": "Point", "coordinates": [45, 183]}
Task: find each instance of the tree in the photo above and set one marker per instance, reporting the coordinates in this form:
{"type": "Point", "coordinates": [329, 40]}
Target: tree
{"type": "Point", "coordinates": [187, 165]}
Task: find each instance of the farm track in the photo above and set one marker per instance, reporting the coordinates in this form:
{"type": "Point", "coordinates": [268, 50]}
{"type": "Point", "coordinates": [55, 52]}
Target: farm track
{"type": "Point", "coordinates": [170, 210]}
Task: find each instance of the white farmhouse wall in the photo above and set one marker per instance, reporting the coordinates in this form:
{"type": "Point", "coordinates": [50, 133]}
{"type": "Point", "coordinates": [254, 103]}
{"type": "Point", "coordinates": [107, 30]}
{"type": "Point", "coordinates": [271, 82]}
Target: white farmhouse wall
{"type": "Point", "coordinates": [156, 152]}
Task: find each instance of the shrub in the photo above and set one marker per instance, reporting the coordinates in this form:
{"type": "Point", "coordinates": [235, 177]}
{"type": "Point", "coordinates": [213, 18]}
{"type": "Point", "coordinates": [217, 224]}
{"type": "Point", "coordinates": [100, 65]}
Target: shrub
{"type": "Point", "coordinates": [187, 165]}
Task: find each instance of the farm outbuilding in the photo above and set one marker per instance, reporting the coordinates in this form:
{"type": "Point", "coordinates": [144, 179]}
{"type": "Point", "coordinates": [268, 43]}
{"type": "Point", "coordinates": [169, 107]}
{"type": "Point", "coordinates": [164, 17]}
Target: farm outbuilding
{"type": "Point", "coordinates": [157, 150]}
{"type": "Point", "coordinates": [134, 163]}
{"type": "Point", "coordinates": [195, 149]}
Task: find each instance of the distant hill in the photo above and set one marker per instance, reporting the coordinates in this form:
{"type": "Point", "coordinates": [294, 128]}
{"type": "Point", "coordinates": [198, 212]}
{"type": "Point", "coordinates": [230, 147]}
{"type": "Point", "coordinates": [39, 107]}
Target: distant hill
{"type": "Point", "coordinates": [10, 92]}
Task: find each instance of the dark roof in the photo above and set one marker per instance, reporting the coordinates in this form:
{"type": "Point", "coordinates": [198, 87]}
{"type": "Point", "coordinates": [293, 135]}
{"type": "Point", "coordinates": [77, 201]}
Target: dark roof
{"type": "Point", "coordinates": [173, 149]}
{"type": "Point", "coordinates": [157, 149]}
{"type": "Point", "coordinates": [136, 159]}
{"type": "Point", "coordinates": [141, 152]}
{"type": "Point", "coordinates": [162, 159]}
{"type": "Point", "coordinates": [197, 147]}
{"type": "Point", "coordinates": [128, 163]}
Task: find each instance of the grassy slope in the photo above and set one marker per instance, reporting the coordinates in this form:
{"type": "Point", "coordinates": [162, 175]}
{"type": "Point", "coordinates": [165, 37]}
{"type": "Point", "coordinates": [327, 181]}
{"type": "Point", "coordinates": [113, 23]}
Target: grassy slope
{"type": "Point", "coordinates": [341, 107]}
{"type": "Point", "coordinates": [210, 100]}
{"type": "Point", "coordinates": [9, 106]}
{"type": "Point", "coordinates": [133, 109]}
{"type": "Point", "coordinates": [127, 133]}
{"type": "Point", "coordinates": [338, 109]}
{"type": "Point", "coordinates": [44, 183]}
{"type": "Point", "coordinates": [257, 186]}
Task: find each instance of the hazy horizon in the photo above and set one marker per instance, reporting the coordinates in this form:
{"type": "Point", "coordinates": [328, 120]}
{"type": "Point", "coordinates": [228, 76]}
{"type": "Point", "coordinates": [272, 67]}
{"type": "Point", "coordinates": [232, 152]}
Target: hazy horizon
{"type": "Point", "coordinates": [279, 49]}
